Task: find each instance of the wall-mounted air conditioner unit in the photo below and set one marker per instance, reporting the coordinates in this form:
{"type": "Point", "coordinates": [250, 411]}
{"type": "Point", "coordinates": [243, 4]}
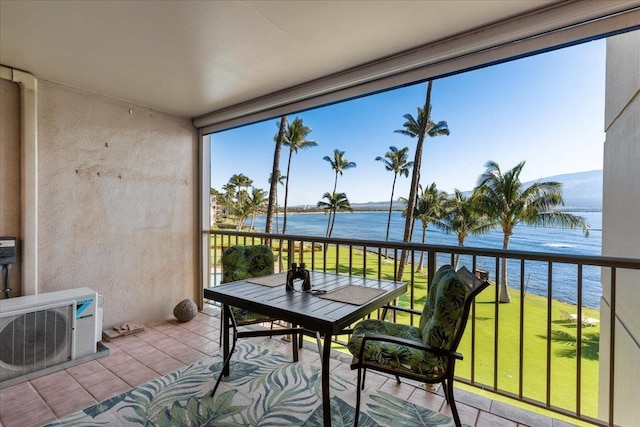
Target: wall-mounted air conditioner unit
{"type": "Point", "coordinates": [40, 331]}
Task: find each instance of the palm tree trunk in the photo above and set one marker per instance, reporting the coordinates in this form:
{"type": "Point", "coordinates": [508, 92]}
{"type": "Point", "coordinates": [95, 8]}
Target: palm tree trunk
{"type": "Point", "coordinates": [393, 188]}
{"type": "Point", "coordinates": [424, 236]}
{"type": "Point", "coordinates": [286, 194]}
{"type": "Point", "coordinates": [273, 190]}
{"type": "Point", "coordinates": [328, 233]}
{"type": "Point", "coordinates": [333, 220]}
{"type": "Point", "coordinates": [504, 288]}
{"type": "Point", "coordinates": [457, 257]}
{"type": "Point", "coordinates": [415, 178]}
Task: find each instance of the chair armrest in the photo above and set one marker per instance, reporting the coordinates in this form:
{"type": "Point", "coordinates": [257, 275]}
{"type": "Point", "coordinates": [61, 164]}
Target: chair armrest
{"type": "Point", "coordinates": [408, 343]}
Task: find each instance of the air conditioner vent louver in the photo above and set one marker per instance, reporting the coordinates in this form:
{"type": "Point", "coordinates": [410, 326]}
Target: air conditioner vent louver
{"type": "Point", "coordinates": [37, 337]}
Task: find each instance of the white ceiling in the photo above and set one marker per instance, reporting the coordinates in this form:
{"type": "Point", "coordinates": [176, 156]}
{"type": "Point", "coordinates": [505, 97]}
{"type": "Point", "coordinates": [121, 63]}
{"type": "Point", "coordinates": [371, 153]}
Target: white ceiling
{"type": "Point", "coordinates": [193, 57]}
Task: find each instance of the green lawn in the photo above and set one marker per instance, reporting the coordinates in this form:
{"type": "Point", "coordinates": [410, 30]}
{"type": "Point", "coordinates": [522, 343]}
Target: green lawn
{"type": "Point", "coordinates": [563, 361]}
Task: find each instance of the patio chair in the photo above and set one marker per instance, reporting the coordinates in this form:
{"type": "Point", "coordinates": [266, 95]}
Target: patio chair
{"type": "Point", "coordinates": [589, 321]}
{"type": "Point", "coordinates": [567, 317]}
{"type": "Point", "coordinates": [426, 353]}
{"type": "Point", "coordinates": [245, 262]}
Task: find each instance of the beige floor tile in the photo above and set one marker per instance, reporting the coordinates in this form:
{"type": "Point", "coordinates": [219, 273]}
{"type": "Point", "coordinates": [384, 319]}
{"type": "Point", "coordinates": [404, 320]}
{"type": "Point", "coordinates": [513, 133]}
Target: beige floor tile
{"type": "Point", "coordinates": [134, 373]}
{"type": "Point", "coordinates": [427, 399]}
{"type": "Point", "coordinates": [71, 401]}
{"type": "Point", "coordinates": [95, 378]}
{"type": "Point", "coordinates": [208, 320]}
{"type": "Point", "coordinates": [116, 358]}
{"type": "Point", "coordinates": [144, 351]}
{"type": "Point", "coordinates": [184, 353]}
{"type": "Point", "coordinates": [51, 383]}
{"type": "Point", "coordinates": [164, 342]}
{"type": "Point", "coordinates": [165, 365]}
{"type": "Point", "coordinates": [192, 339]}
{"type": "Point", "coordinates": [402, 391]}
{"type": "Point", "coordinates": [129, 343]}
{"type": "Point", "coordinates": [375, 381]}
{"type": "Point", "coordinates": [109, 387]}
{"type": "Point", "coordinates": [151, 335]}
{"type": "Point", "coordinates": [89, 373]}
{"type": "Point", "coordinates": [163, 325]}
{"type": "Point", "coordinates": [468, 414]}
{"type": "Point", "coordinates": [210, 348]}
{"type": "Point", "coordinates": [22, 406]}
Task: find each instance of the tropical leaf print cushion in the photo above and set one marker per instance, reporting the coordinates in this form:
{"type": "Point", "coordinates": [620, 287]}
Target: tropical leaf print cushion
{"type": "Point", "coordinates": [438, 323]}
{"type": "Point", "coordinates": [245, 262]}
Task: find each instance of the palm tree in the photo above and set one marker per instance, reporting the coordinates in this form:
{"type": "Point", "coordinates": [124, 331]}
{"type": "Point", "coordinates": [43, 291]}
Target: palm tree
{"type": "Point", "coordinates": [463, 218]}
{"type": "Point", "coordinates": [272, 208]}
{"type": "Point", "coordinates": [429, 209]}
{"type": "Point", "coordinates": [295, 139]}
{"type": "Point", "coordinates": [215, 202]}
{"type": "Point", "coordinates": [257, 201]}
{"type": "Point", "coordinates": [395, 161]}
{"type": "Point", "coordinates": [339, 164]}
{"type": "Point", "coordinates": [240, 181]}
{"type": "Point", "coordinates": [335, 202]}
{"type": "Point", "coordinates": [227, 198]}
{"type": "Point", "coordinates": [241, 210]}
{"type": "Point", "coordinates": [503, 199]}
{"type": "Point", "coordinates": [280, 180]}
{"type": "Point", "coordinates": [417, 128]}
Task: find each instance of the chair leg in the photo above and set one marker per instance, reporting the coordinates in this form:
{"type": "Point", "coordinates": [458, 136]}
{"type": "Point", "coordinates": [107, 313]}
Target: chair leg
{"type": "Point", "coordinates": [364, 375]}
{"type": "Point", "coordinates": [398, 379]}
{"type": "Point", "coordinates": [227, 360]}
{"type": "Point", "coordinates": [359, 388]}
{"type": "Point", "coordinates": [452, 402]}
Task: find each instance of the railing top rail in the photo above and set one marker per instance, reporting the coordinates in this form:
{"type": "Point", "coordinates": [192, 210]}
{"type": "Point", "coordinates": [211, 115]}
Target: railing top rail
{"type": "Point", "coordinates": [600, 261]}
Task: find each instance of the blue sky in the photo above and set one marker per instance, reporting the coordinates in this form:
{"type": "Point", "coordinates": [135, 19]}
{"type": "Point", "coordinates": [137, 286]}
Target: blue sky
{"type": "Point", "coordinates": [547, 110]}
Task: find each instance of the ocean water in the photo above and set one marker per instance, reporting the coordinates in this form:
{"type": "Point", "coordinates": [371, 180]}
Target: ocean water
{"type": "Point", "coordinates": [372, 226]}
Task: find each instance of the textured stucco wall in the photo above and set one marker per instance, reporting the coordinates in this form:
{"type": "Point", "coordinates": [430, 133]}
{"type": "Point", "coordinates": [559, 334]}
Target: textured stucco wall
{"type": "Point", "coordinates": [10, 174]}
{"type": "Point", "coordinates": [620, 229]}
{"type": "Point", "coordinates": [117, 202]}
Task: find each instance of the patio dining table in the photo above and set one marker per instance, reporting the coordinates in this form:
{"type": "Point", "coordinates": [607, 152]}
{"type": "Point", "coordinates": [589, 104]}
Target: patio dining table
{"type": "Point", "coordinates": [335, 302]}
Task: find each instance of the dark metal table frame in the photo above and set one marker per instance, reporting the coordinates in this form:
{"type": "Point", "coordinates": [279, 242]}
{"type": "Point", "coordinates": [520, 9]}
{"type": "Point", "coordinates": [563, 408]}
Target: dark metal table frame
{"type": "Point", "coordinates": [312, 313]}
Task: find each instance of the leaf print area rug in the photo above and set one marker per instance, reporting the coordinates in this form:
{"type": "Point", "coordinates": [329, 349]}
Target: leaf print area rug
{"type": "Point", "coordinates": [264, 388]}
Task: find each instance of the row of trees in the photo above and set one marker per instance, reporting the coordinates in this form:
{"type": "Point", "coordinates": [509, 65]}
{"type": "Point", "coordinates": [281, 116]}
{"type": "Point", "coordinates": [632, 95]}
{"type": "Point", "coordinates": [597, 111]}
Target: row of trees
{"type": "Point", "coordinates": [499, 199]}
{"type": "Point", "coordinates": [239, 201]}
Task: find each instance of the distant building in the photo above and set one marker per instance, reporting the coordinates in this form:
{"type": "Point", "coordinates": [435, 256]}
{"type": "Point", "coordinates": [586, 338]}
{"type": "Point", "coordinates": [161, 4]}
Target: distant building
{"type": "Point", "coordinates": [214, 208]}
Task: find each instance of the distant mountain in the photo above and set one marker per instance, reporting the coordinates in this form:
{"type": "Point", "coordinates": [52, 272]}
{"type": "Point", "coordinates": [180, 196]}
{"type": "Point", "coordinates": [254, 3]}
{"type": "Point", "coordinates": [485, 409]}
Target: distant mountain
{"type": "Point", "coordinates": [582, 191]}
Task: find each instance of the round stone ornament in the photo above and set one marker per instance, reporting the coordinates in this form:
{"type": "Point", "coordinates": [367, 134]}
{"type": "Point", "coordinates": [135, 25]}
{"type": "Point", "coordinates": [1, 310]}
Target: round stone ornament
{"type": "Point", "coordinates": [185, 310]}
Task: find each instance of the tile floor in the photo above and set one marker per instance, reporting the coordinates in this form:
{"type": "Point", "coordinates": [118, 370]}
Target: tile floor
{"type": "Point", "coordinates": [169, 345]}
